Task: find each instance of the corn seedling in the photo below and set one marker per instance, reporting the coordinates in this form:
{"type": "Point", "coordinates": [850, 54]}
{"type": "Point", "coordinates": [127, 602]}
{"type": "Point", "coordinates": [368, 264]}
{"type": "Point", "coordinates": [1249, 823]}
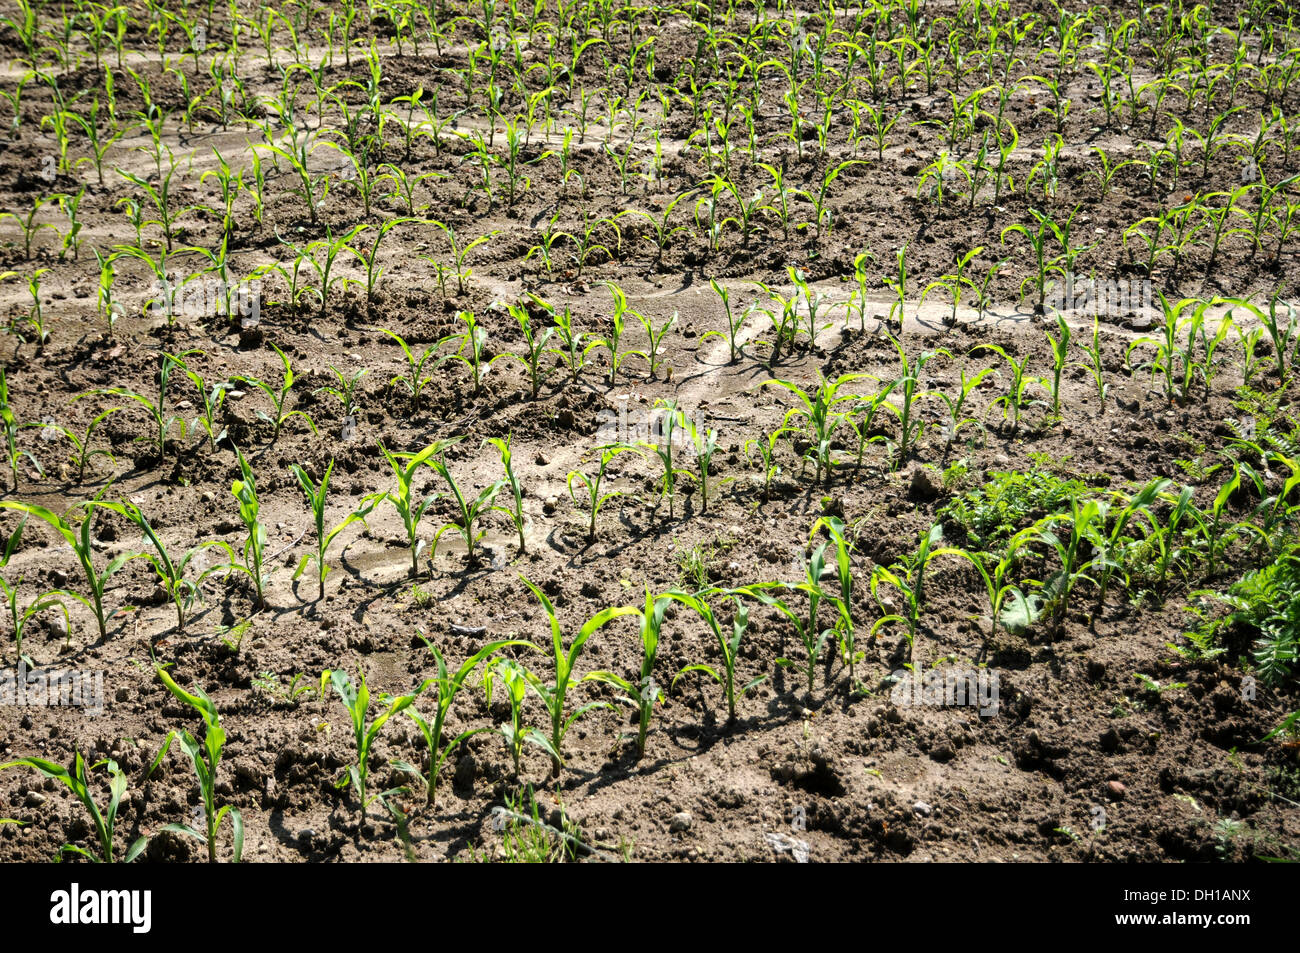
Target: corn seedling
{"type": "Point", "coordinates": [644, 693]}
{"type": "Point", "coordinates": [172, 573]}
{"type": "Point", "coordinates": [405, 468]}
{"type": "Point", "coordinates": [472, 350]}
{"type": "Point", "coordinates": [448, 686]}
{"type": "Point", "coordinates": [76, 777]}
{"type": "Point", "coordinates": [610, 342]}
{"type": "Point", "coordinates": [346, 391]}
{"type": "Point", "coordinates": [315, 494]}
{"type": "Point", "coordinates": [9, 422]}
{"type": "Point", "coordinates": [357, 701]}
{"type": "Point", "coordinates": [205, 758]}
{"type": "Point", "coordinates": [278, 397]}
{"type": "Point", "coordinates": [592, 499]}
{"type": "Point", "coordinates": [907, 576]}
{"type": "Point", "coordinates": [468, 511]}
{"type": "Point", "coordinates": [535, 342]}
{"type": "Point", "coordinates": [564, 660]}
{"type": "Point", "coordinates": [76, 533]}
{"type": "Point", "coordinates": [728, 644]}
{"type": "Point", "coordinates": [254, 549]}
{"type": "Point", "coordinates": [414, 381]}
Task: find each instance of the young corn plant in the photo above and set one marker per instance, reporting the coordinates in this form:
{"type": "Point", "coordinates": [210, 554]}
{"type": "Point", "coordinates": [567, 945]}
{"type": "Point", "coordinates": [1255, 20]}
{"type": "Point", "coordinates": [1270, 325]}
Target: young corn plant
{"type": "Point", "coordinates": [468, 511]}
{"type": "Point", "coordinates": [643, 694]}
{"type": "Point", "coordinates": [907, 387]}
{"type": "Point", "coordinates": [704, 441]}
{"type": "Point", "coordinates": [414, 381]}
{"type": "Point", "coordinates": [610, 342]}
{"type": "Point", "coordinates": [76, 533]}
{"type": "Point", "coordinates": [357, 702]}
{"type": "Point", "coordinates": [406, 466]}
{"type": "Point", "coordinates": [516, 510]}
{"type": "Point", "coordinates": [810, 636]}
{"type": "Point", "coordinates": [1060, 357]}
{"type": "Point", "coordinates": [472, 350]}
{"type": "Point", "coordinates": [845, 631]}
{"type": "Point", "coordinates": [662, 445]}
{"type": "Point", "coordinates": [765, 446]}
{"type": "Point", "coordinates": [1008, 603]}
{"type": "Point", "coordinates": [346, 390]}
{"type": "Point", "coordinates": [728, 644]}
{"type": "Point", "coordinates": [1015, 401]}
{"type": "Point", "coordinates": [157, 409]}
{"type": "Point", "coordinates": [254, 549]}
{"type": "Point", "coordinates": [534, 347]}
{"type": "Point", "coordinates": [76, 777]}
{"type": "Point", "coordinates": [514, 679]}
{"type": "Point", "coordinates": [278, 397]}
{"type": "Point", "coordinates": [656, 339]}
{"type": "Point", "coordinates": [460, 254]}
{"type": "Point", "coordinates": [173, 573]}
{"type": "Point", "coordinates": [571, 351]}
{"type": "Point", "coordinates": [592, 498]}
{"type": "Point", "coordinates": [315, 494]}
{"type": "Point", "coordinates": [448, 686]}
{"type": "Point", "coordinates": [9, 423]}
{"type": "Point", "coordinates": [820, 418]}
{"type": "Point", "coordinates": [1095, 366]}
{"type": "Point", "coordinates": [553, 694]}
{"type": "Point", "coordinates": [907, 576]}
{"type": "Point", "coordinates": [205, 758]}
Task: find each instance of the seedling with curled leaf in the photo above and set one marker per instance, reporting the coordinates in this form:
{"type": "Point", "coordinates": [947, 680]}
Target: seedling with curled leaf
{"type": "Point", "coordinates": [77, 779]}
{"type": "Point", "coordinates": [316, 496]}
{"type": "Point", "coordinates": [1008, 603]}
{"type": "Point", "coordinates": [205, 758]}
{"type": "Point", "coordinates": [728, 644]}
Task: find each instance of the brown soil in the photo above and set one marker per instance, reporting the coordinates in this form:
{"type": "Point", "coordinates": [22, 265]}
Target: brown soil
{"type": "Point", "coordinates": [854, 777]}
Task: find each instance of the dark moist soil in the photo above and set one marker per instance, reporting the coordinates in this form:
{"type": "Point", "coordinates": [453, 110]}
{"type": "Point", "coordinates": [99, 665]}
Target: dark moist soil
{"type": "Point", "coordinates": [839, 778]}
